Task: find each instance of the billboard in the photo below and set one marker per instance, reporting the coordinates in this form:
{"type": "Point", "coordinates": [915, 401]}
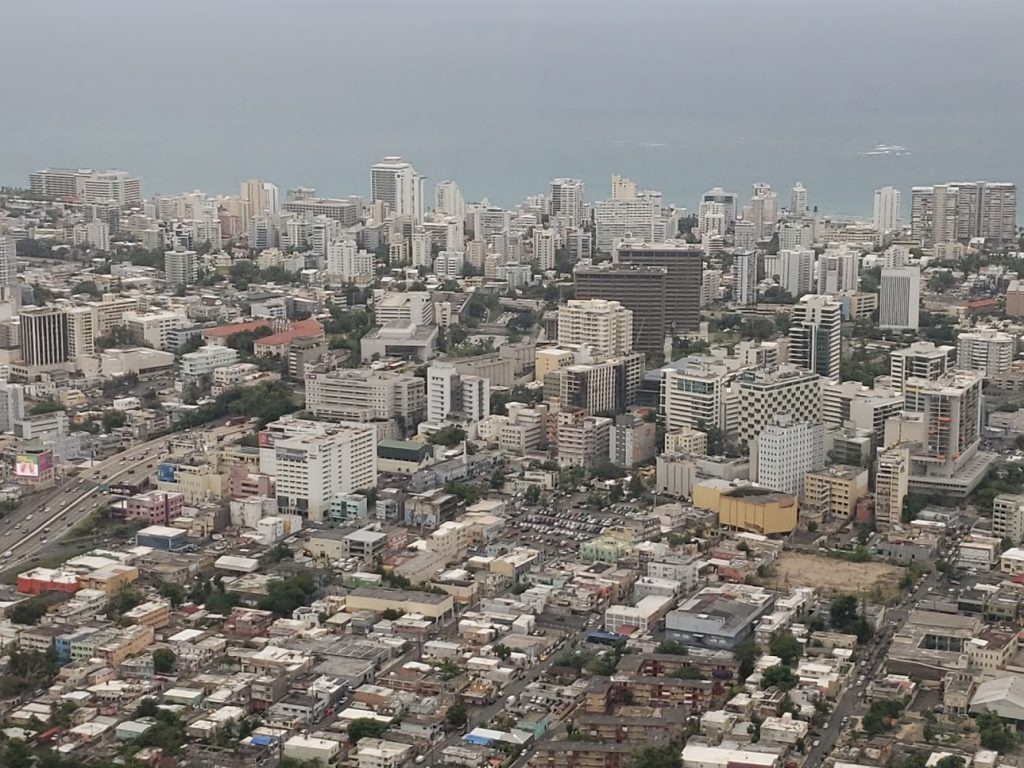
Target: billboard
{"type": "Point", "coordinates": [166, 473]}
{"type": "Point", "coordinates": [266, 439]}
{"type": "Point", "coordinates": [45, 462]}
{"type": "Point", "coordinates": [26, 465]}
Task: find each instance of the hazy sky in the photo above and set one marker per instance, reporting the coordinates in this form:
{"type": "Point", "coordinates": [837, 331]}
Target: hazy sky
{"type": "Point", "coordinates": [678, 94]}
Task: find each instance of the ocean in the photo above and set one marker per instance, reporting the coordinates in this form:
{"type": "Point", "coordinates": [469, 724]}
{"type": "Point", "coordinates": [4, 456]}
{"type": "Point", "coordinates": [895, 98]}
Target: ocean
{"type": "Point", "coordinates": [503, 95]}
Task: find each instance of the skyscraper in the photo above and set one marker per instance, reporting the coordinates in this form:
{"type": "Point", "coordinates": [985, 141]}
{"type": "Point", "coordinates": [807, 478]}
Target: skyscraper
{"type": "Point", "coordinates": [798, 200]}
{"type": "Point", "coordinates": [8, 268]}
{"type": "Point", "coordinates": [987, 350]}
{"type": "Point", "coordinates": [744, 278]}
{"type": "Point", "coordinates": [815, 335]}
{"type": "Point", "coordinates": [728, 199]}
{"type": "Point", "coordinates": [891, 483]}
{"type": "Point", "coordinates": [922, 359]}
{"type": "Point", "coordinates": [87, 185]}
{"type": "Point", "coordinates": [886, 217]}
{"type": "Point", "coordinates": [448, 200]}
{"type": "Point", "coordinates": [395, 182]}
{"type": "Point", "coordinates": [181, 267]}
{"type": "Point", "coordinates": [684, 265]}
{"type": "Point", "coordinates": [641, 289]}
{"type": "Point", "coordinates": [796, 271]}
{"type": "Point", "coordinates": [786, 451]}
{"type": "Point", "coordinates": [544, 248]}
{"type": "Point", "coordinates": [567, 200]}
{"type": "Point", "coordinates": [960, 211]}
{"type": "Point", "coordinates": [899, 298]}
{"type": "Point", "coordinates": [44, 335]}
{"type": "Point", "coordinates": [837, 271]}
{"type": "Point", "coordinates": [262, 197]}
{"type": "Point", "coordinates": [764, 210]}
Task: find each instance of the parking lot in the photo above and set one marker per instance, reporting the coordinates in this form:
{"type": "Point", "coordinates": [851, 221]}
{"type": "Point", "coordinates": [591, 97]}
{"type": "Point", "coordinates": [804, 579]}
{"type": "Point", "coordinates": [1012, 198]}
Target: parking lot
{"type": "Point", "coordinates": [560, 525]}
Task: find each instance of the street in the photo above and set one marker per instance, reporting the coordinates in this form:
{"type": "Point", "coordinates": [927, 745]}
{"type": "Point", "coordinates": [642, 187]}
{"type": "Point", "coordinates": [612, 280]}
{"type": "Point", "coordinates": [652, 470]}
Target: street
{"type": "Point", "coordinates": [853, 694]}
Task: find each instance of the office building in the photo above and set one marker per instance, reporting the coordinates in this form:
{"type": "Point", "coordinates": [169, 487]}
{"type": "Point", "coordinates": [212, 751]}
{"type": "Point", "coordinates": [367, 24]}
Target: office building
{"type": "Point", "coordinates": [765, 393]}
{"type": "Point", "coordinates": [88, 186]}
{"type": "Point", "coordinates": [1008, 517]}
{"type": "Point", "coordinates": [833, 492]}
{"type": "Point", "coordinates": [795, 235]}
{"type": "Point", "coordinates": [951, 410]}
{"type": "Point", "coordinates": [632, 441]}
{"type": "Point", "coordinates": [886, 216]}
{"type": "Point", "coordinates": [416, 307]}
{"type": "Point", "coordinates": [81, 333]}
{"type": "Point", "coordinates": [866, 409]}
{"type": "Point", "coordinates": [899, 298]}
{"type": "Point", "coordinates": [567, 201]}
{"type": "Point", "coordinates": [837, 271]}
{"type": "Point", "coordinates": [345, 211]}
{"type": "Point", "coordinates": [643, 290]}
{"type": "Point", "coordinates": [684, 265]}
{"type": "Point", "coordinates": [44, 336]}
{"type": "Point", "coordinates": [611, 385]}
{"type": "Point", "coordinates": [363, 395]}
{"type": "Point", "coordinates": [452, 396]}
{"type": "Point", "coordinates": [1015, 299]}
{"type": "Point", "coordinates": [986, 350]}
{"type": "Point", "coordinates": [12, 405]}
{"type": "Point", "coordinates": [314, 461]}
{"type": "Point", "coordinates": [446, 234]}
{"type": "Point", "coordinates": [8, 268]}
{"type": "Point", "coordinates": [396, 183]}
{"type": "Point", "coordinates": [420, 250]}
{"type": "Point", "coordinates": [922, 360]}
{"type": "Point", "coordinates": [605, 326]}
{"type": "Point", "coordinates": [795, 271]}
{"type": "Point", "coordinates": [744, 235]}
{"type": "Point", "coordinates": [744, 278]}
{"type": "Point", "coordinates": [892, 477]}
{"type": "Point", "coordinates": [961, 211]}
{"type": "Point", "coordinates": [206, 359]}
{"type": "Point", "coordinates": [815, 335]}
{"type": "Point", "coordinates": [726, 199]}
{"type": "Point", "coordinates": [623, 188]}
{"type": "Point", "coordinates": [544, 248]}
{"type": "Point", "coordinates": [788, 450]}
{"type": "Point", "coordinates": [623, 218]}
{"type": "Point", "coordinates": [798, 200]}
{"type": "Point", "coordinates": [448, 200]}
{"type": "Point", "coordinates": [181, 267]}
{"type": "Point", "coordinates": [697, 396]}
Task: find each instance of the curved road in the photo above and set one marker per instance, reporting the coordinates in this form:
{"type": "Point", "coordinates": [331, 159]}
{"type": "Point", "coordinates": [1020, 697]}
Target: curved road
{"type": "Point", "coordinates": [55, 511]}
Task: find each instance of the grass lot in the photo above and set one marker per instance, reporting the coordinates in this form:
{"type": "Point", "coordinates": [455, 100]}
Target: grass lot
{"type": "Point", "coordinates": [876, 582]}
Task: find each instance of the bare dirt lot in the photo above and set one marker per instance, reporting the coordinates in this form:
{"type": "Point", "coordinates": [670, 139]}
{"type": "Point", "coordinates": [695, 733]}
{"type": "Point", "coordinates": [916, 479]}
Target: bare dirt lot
{"type": "Point", "coordinates": [876, 582]}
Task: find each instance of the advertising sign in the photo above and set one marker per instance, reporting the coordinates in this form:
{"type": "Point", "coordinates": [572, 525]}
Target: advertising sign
{"type": "Point", "coordinates": [166, 473]}
{"type": "Point", "coordinates": [26, 465]}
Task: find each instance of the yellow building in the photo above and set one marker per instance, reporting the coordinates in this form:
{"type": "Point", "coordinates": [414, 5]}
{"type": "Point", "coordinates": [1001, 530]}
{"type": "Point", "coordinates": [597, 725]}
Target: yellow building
{"type": "Point", "coordinates": [110, 578]}
{"type": "Point", "coordinates": [549, 359]}
{"type": "Point", "coordinates": [834, 490]}
{"type": "Point", "coordinates": [747, 507]}
{"type": "Point", "coordinates": [379, 599]}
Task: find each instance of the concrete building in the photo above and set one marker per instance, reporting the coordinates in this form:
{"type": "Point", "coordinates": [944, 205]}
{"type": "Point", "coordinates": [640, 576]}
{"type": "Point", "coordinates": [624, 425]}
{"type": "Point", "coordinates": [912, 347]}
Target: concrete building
{"type": "Point", "coordinates": [1015, 299]}
{"type": "Point", "coordinates": [314, 461]}
{"type": "Point", "coordinates": [744, 278]}
{"type": "Point", "coordinates": [747, 507]}
{"type": "Point", "coordinates": [88, 186]}
{"type": "Point", "coordinates": [796, 271]}
{"type": "Point", "coordinates": [922, 360]}
{"type": "Point", "coordinates": [544, 243]}
{"type": "Point", "coordinates": [206, 359]}
{"type": "Point", "coordinates": [583, 440]}
{"type": "Point", "coordinates": [961, 211]}
{"type": "Point", "coordinates": [643, 290]}
{"type": "Point", "coordinates": [787, 451]}
{"type": "Point", "coordinates": [632, 441]}
{"type": "Point", "coordinates": [899, 298]}
{"type": "Point", "coordinates": [347, 262]}
{"type": "Point", "coordinates": [838, 271]}
{"type": "Point", "coordinates": [719, 617]}
{"type": "Point", "coordinates": [567, 200]}
{"type": "Point", "coordinates": [44, 336]}
{"type": "Point", "coordinates": [1008, 517]}
{"type": "Point", "coordinates": [683, 264]}
{"type": "Point", "coordinates": [452, 396]}
{"type": "Point", "coordinates": [611, 385]}
{"type": "Point", "coordinates": [986, 350]}
{"type": "Point", "coordinates": [363, 395]}
{"type": "Point", "coordinates": [886, 212]}
{"type": "Point", "coordinates": [621, 218]}
{"type": "Point", "coordinates": [815, 335]}
{"type": "Point", "coordinates": [833, 492]}
{"type": "Point", "coordinates": [396, 183]}
{"type": "Point", "coordinates": [181, 267]}
{"type": "Point", "coordinates": [697, 396]}
{"type": "Point", "coordinates": [605, 326]}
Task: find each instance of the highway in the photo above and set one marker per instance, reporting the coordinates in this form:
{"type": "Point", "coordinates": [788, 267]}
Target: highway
{"type": "Point", "coordinates": [49, 514]}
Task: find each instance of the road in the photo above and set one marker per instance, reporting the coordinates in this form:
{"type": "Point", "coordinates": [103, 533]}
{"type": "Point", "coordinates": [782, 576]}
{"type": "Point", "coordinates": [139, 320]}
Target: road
{"type": "Point", "coordinates": [852, 696]}
{"type": "Point", "coordinates": [52, 512]}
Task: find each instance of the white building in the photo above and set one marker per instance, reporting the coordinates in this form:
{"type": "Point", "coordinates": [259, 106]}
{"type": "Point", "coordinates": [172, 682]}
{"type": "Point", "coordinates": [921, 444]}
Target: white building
{"type": "Point", "coordinates": [206, 359]}
{"type": "Point", "coordinates": [899, 298]}
{"type": "Point", "coordinates": [605, 326]}
{"type": "Point", "coordinates": [449, 264]}
{"type": "Point", "coordinates": [1008, 517]}
{"type": "Point", "coordinates": [414, 307]}
{"type": "Point", "coordinates": [154, 327]}
{"type": "Point", "coordinates": [766, 393]}
{"type": "Point", "coordinates": [837, 271]}
{"type": "Point", "coordinates": [786, 451]}
{"type": "Point", "coordinates": [986, 350]}
{"type": "Point", "coordinates": [796, 271]}
{"type": "Point", "coordinates": [622, 218]}
{"type": "Point", "coordinates": [744, 278]}
{"type": "Point", "coordinates": [347, 262]}
{"type": "Point", "coordinates": [262, 197]}
{"type": "Point", "coordinates": [364, 395]}
{"type": "Point", "coordinates": [922, 360]}
{"type": "Point", "coordinates": [314, 461]}
{"type": "Point", "coordinates": [420, 247]}
{"type": "Point", "coordinates": [567, 200]}
{"type": "Point", "coordinates": [815, 335]}
{"type": "Point", "coordinates": [395, 182]}
{"type": "Point", "coordinates": [544, 248]}
{"type": "Point", "coordinates": [886, 216]}
{"type": "Point", "coordinates": [892, 476]}
{"type": "Point", "coordinates": [798, 200]}
{"type": "Point", "coordinates": [87, 185]}
{"type": "Point", "coordinates": [181, 267]}
{"type": "Point", "coordinates": [697, 396]}
{"type": "Point", "coordinates": [452, 396]}
{"type": "Point", "coordinates": [448, 200]}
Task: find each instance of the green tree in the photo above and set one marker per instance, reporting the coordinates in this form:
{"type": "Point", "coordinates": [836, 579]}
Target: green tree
{"type": "Point", "coordinates": [503, 652]}
{"type": "Point", "coordinates": [662, 756]}
{"type": "Point", "coordinates": [29, 611]}
{"type": "Point", "coordinates": [780, 677]}
{"type": "Point", "coordinates": [113, 419]}
{"type": "Point", "coordinates": [672, 647]}
{"type": "Point", "coordinates": [362, 727]}
{"type": "Point", "coordinates": [449, 436]}
{"type": "Point", "coordinates": [86, 286]}
{"type": "Point", "coordinates": [994, 733]}
{"type": "Point", "coordinates": [746, 654]}
{"type": "Point", "coordinates": [689, 673]}
{"type": "Point", "coordinates": [532, 494]}
{"type": "Point", "coordinates": [164, 660]}
{"type": "Point", "coordinates": [46, 405]}
{"type": "Point", "coordinates": [950, 761]}
{"type": "Point", "coordinates": [457, 716]}
{"type": "Point", "coordinates": [785, 645]}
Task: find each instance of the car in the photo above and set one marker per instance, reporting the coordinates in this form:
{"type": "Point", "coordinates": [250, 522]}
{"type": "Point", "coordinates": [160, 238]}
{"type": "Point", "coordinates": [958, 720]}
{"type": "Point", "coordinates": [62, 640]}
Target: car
{"type": "Point", "coordinates": [816, 742]}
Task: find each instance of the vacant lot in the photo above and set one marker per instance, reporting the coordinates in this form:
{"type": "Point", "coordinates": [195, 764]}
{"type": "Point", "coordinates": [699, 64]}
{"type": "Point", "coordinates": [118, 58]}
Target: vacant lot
{"type": "Point", "coordinates": [873, 581]}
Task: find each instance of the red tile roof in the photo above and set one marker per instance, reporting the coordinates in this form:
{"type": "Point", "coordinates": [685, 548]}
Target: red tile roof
{"type": "Point", "coordinates": [223, 331]}
{"type": "Point", "coordinates": [299, 329]}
